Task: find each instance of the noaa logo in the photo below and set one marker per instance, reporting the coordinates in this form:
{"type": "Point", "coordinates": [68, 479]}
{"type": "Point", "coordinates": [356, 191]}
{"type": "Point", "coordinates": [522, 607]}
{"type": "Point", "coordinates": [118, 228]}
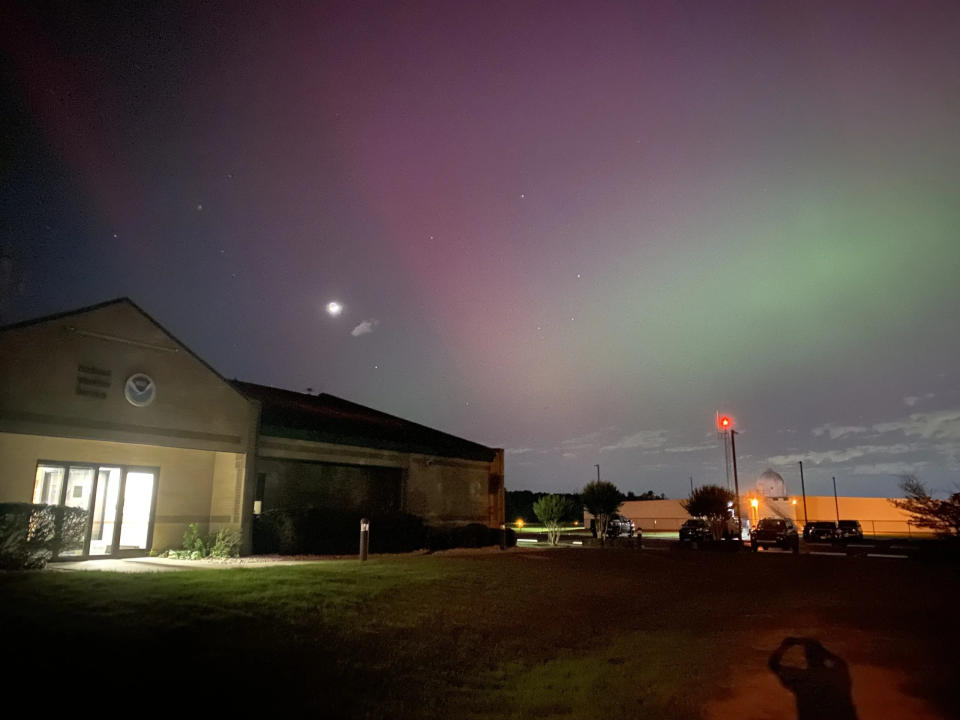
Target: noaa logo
{"type": "Point", "coordinates": [140, 390]}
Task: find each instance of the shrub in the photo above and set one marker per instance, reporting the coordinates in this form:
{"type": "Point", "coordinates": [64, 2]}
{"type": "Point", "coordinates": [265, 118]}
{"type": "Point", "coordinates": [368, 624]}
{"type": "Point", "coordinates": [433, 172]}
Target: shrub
{"type": "Point", "coordinates": [320, 531]}
{"type": "Point", "coordinates": [550, 510]}
{"type": "Point", "coordinates": [193, 542]}
{"type": "Point", "coordinates": [32, 535]}
{"type": "Point", "coordinates": [226, 544]}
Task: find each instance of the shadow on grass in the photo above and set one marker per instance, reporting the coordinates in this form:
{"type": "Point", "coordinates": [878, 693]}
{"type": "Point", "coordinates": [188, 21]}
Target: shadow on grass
{"type": "Point", "coordinates": [821, 684]}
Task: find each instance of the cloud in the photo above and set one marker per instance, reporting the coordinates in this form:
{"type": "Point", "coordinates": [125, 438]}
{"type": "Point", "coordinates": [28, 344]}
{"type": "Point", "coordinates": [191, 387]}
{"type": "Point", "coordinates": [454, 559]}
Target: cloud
{"type": "Point", "coordinates": [941, 425]}
{"type": "Point", "coordinates": [840, 456]}
{"type": "Point", "coordinates": [838, 431]}
{"type": "Point", "coordinates": [693, 448]}
{"type": "Point", "coordinates": [890, 468]}
{"type": "Point", "coordinates": [569, 455]}
{"type": "Point", "coordinates": [645, 440]}
{"type": "Point", "coordinates": [518, 451]}
{"type": "Point", "coordinates": [367, 326]}
{"type": "Point", "coordinates": [584, 441]}
{"type": "Point", "coordinates": [912, 400]}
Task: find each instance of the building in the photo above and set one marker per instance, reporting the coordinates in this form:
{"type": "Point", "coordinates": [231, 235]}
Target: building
{"type": "Point", "coordinates": [102, 408]}
{"type": "Point", "coordinates": [877, 516]}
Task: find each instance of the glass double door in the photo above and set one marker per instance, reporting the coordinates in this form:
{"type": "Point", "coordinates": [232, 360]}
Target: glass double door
{"type": "Point", "coordinates": [117, 504]}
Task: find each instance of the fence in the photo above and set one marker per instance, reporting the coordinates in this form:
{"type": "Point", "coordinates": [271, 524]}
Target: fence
{"type": "Point", "coordinates": [871, 528]}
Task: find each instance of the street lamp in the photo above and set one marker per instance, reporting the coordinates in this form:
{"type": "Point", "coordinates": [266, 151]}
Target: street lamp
{"type": "Point", "coordinates": [725, 422]}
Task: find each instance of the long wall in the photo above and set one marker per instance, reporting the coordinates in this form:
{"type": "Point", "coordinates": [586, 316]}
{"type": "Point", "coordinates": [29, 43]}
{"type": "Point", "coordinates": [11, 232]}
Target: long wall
{"type": "Point", "coordinates": [441, 490]}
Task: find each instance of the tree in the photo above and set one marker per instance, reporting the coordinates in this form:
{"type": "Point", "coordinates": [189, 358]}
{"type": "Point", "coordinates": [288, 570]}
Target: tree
{"type": "Point", "coordinates": [648, 495]}
{"type": "Point", "coordinates": [941, 516]}
{"type": "Point", "coordinates": [711, 502]}
{"type": "Point", "coordinates": [601, 499]}
{"type": "Point", "coordinates": [519, 504]}
{"type": "Point", "coordinates": [551, 511]}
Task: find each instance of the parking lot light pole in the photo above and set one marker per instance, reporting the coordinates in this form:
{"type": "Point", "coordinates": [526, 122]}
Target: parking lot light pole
{"type": "Point", "coordinates": [836, 503]}
{"type": "Point", "coordinates": [803, 489]}
{"type": "Point", "coordinates": [736, 482]}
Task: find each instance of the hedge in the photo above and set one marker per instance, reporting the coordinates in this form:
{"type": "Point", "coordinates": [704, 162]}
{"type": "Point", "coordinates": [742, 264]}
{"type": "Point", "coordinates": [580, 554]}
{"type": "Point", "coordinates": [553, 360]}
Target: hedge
{"type": "Point", "coordinates": [318, 531]}
{"type": "Point", "coordinates": [32, 535]}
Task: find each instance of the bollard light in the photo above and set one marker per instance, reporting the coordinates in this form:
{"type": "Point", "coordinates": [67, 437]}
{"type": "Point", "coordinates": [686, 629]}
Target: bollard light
{"type": "Point", "coordinates": [364, 538]}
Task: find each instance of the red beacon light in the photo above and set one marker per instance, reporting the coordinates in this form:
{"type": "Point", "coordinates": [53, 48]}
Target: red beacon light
{"type": "Point", "coordinates": [724, 422]}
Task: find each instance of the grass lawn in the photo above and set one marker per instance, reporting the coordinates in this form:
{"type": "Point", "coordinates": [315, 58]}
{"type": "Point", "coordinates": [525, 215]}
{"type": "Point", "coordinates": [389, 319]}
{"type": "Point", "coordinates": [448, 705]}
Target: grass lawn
{"type": "Point", "coordinates": [563, 633]}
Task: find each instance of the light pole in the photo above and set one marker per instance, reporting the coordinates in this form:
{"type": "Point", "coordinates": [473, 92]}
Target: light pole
{"type": "Point", "coordinates": [803, 489]}
{"type": "Point", "coordinates": [598, 472]}
{"type": "Point", "coordinates": [736, 482]}
{"type": "Point", "coordinates": [836, 503]}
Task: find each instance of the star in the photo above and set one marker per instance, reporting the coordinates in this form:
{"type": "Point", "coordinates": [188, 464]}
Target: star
{"type": "Point", "coordinates": [199, 207]}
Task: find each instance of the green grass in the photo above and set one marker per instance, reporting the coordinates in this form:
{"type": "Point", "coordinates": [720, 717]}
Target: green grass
{"type": "Point", "coordinates": [556, 634]}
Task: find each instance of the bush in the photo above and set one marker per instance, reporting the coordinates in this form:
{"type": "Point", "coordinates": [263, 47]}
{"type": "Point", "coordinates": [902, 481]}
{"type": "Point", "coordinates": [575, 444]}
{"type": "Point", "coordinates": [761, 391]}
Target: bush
{"type": "Point", "coordinates": [474, 535]}
{"type": "Point", "coordinates": [319, 531]}
{"type": "Point", "coordinates": [32, 535]}
{"type": "Point", "coordinates": [193, 542]}
{"type": "Point", "coordinates": [225, 544]}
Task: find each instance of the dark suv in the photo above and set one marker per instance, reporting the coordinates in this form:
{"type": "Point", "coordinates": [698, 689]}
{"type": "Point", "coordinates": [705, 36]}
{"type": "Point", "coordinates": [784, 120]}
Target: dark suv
{"type": "Point", "coordinates": [849, 530]}
{"type": "Point", "coordinates": [695, 530]}
{"type": "Point", "coordinates": [820, 531]}
{"type": "Point", "coordinates": [619, 526]}
{"type": "Point", "coordinates": [775, 532]}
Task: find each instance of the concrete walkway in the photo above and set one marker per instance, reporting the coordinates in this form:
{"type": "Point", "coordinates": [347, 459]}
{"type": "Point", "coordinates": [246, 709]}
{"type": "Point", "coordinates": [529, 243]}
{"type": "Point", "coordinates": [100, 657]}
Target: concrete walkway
{"type": "Point", "coordinates": [158, 564]}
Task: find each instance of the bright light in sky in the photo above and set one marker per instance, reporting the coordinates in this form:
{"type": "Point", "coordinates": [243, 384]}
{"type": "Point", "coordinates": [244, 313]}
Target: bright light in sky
{"type": "Point", "coordinates": [334, 308]}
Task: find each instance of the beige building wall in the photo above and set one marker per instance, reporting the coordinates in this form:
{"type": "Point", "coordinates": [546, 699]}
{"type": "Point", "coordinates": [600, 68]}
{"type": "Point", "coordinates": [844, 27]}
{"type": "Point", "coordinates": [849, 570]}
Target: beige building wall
{"type": "Point", "coordinates": [62, 398]}
{"type": "Point", "coordinates": [877, 516]}
{"type": "Point", "coordinates": [186, 482]}
{"type": "Point", "coordinates": [66, 377]}
{"type": "Point", "coordinates": [439, 489]}
{"type": "Point", "coordinates": [650, 515]}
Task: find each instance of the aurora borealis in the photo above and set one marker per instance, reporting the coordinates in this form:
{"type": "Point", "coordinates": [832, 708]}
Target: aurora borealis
{"type": "Point", "coordinates": [572, 229]}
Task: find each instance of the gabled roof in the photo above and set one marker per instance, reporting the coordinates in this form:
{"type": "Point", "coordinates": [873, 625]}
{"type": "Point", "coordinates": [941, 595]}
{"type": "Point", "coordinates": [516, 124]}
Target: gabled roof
{"type": "Point", "coordinates": [78, 311]}
{"type": "Point", "coordinates": [322, 418]}
{"type": "Point", "coordinates": [119, 301]}
{"type": "Point", "coordinates": [325, 418]}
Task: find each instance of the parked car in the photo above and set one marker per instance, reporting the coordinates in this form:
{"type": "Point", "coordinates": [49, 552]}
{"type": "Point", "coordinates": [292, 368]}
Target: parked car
{"type": "Point", "coordinates": [849, 530]}
{"type": "Point", "coordinates": [696, 530]}
{"type": "Point", "coordinates": [820, 531]}
{"type": "Point", "coordinates": [619, 526]}
{"type": "Point", "coordinates": [775, 532]}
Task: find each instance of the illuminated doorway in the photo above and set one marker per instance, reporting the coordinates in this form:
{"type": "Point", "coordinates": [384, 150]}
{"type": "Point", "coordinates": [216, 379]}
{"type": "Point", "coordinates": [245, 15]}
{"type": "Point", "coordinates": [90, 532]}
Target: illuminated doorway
{"type": "Point", "coordinates": [117, 502]}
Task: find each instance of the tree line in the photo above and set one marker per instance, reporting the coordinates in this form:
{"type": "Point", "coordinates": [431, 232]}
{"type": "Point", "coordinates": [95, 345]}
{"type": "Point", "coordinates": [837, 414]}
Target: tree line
{"type": "Point", "coordinates": [519, 504]}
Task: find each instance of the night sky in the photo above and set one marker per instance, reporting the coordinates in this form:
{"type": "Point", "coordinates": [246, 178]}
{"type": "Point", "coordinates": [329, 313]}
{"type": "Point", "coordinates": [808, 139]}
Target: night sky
{"type": "Point", "coordinates": [574, 230]}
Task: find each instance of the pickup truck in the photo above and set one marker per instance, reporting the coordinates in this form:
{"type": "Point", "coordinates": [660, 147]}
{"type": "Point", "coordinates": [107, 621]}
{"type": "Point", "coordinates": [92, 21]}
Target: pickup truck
{"type": "Point", "coordinates": [775, 532]}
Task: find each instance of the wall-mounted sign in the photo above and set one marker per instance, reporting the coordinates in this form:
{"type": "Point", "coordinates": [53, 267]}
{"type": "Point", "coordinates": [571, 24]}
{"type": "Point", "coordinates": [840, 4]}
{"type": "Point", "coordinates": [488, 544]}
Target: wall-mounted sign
{"type": "Point", "coordinates": [140, 390]}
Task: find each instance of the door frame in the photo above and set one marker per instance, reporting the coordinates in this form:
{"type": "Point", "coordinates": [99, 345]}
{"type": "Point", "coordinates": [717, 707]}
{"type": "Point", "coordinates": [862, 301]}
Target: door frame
{"type": "Point", "coordinates": [118, 521]}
